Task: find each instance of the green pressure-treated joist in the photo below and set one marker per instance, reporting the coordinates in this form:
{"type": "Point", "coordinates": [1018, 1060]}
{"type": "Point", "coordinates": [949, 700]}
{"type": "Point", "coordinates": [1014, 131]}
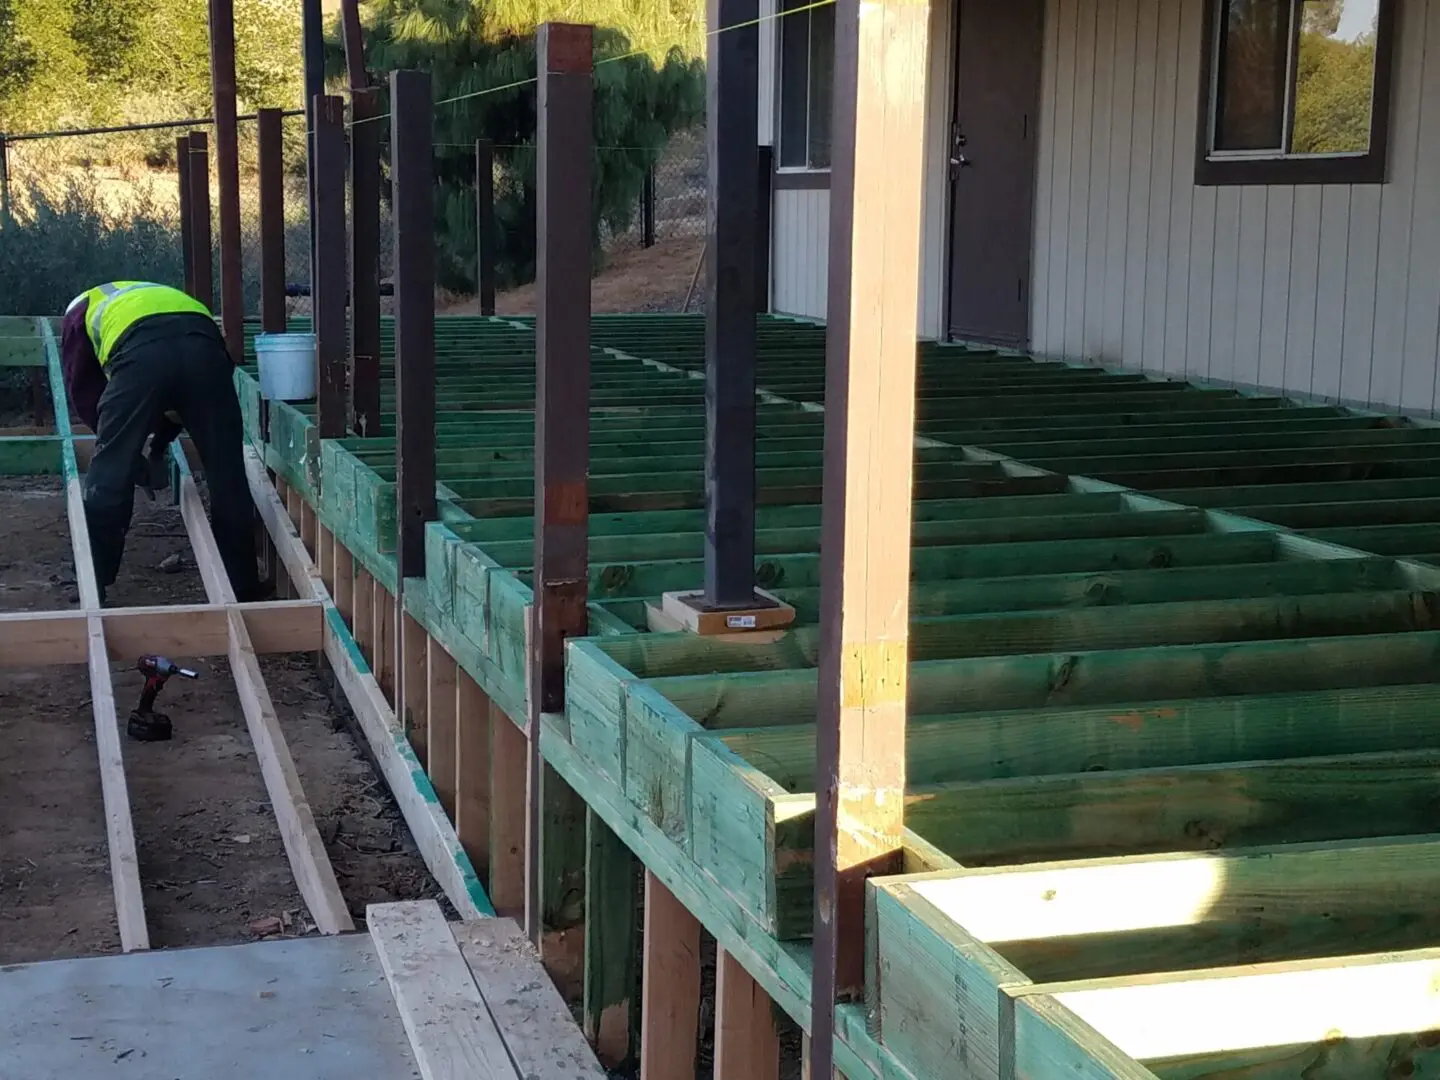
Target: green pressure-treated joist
{"type": "Point", "coordinates": [1072, 632]}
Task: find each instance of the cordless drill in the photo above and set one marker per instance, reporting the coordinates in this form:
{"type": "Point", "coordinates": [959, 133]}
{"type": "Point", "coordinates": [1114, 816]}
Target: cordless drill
{"type": "Point", "coordinates": [146, 725]}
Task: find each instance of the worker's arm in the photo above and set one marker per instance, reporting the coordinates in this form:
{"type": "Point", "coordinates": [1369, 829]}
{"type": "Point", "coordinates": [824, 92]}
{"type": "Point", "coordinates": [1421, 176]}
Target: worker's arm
{"type": "Point", "coordinates": [84, 378]}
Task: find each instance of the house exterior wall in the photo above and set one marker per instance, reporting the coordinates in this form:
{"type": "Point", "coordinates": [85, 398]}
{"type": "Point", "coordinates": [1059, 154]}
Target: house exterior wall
{"type": "Point", "coordinates": [1324, 290]}
{"type": "Point", "coordinates": [800, 225]}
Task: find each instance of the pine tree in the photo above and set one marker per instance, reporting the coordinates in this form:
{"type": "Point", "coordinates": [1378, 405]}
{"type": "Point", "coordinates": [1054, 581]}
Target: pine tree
{"type": "Point", "coordinates": [481, 56]}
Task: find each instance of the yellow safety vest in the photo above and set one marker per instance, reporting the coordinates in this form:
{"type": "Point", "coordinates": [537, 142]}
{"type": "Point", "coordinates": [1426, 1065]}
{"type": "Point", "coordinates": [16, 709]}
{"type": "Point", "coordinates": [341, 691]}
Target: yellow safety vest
{"type": "Point", "coordinates": [119, 305]}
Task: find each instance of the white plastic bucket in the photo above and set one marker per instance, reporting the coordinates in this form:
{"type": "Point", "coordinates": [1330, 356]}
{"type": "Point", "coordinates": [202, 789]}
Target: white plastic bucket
{"type": "Point", "coordinates": [287, 366]}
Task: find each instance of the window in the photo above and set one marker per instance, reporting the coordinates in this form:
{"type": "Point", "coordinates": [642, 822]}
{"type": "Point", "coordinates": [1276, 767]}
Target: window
{"type": "Point", "coordinates": [1295, 92]}
{"type": "Point", "coordinates": [807, 70]}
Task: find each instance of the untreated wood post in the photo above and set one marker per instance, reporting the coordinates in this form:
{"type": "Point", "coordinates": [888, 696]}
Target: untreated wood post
{"type": "Point", "coordinates": [272, 221]}
{"type": "Point", "coordinates": [875, 224]}
{"type": "Point", "coordinates": [327, 299]}
{"type": "Point", "coordinates": [562, 436]}
{"type": "Point", "coordinates": [187, 212]}
{"type": "Point", "coordinates": [365, 127]}
{"type": "Point", "coordinates": [732, 92]}
{"type": "Point", "coordinates": [485, 225]}
{"type": "Point", "coordinates": [747, 1045]}
{"type": "Point", "coordinates": [669, 985]}
{"type": "Point", "coordinates": [413, 172]}
{"type": "Point", "coordinates": [203, 266]}
{"type": "Point", "coordinates": [227, 170]}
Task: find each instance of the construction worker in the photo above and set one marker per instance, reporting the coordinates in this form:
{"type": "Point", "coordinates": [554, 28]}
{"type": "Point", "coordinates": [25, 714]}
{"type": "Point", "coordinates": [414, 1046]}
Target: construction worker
{"type": "Point", "coordinates": [140, 361]}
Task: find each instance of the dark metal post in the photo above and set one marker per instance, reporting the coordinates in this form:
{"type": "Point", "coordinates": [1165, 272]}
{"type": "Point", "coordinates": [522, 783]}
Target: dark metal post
{"type": "Point", "coordinates": [227, 168]}
{"type": "Point", "coordinates": [187, 212]}
{"type": "Point", "coordinates": [878, 155]}
{"type": "Point", "coordinates": [764, 195]}
{"type": "Point", "coordinates": [647, 209]}
{"type": "Point", "coordinates": [312, 30]}
{"type": "Point", "coordinates": [732, 93]}
{"type": "Point", "coordinates": [201, 250]}
{"type": "Point", "coordinates": [327, 299]}
{"type": "Point", "coordinates": [413, 179]}
{"type": "Point", "coordinates": [562, 394]}
{"type": "Point", "coordinates": [485, 225]}
{"type": "Point", "coordinates": [365, 126]}
{"type": "Point", "coordinates": [4, 181]}
{"type": "Point", "coordinates": [272, 222]}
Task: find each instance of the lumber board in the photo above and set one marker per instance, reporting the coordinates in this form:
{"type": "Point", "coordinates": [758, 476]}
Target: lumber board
{"type": "Point", "coordinates": [540, 1035]}
{"type": "Point", "coordinates": [441, 699]}
{"type": "Point", "coordinates": [452, 1033]}
{"type": "Point", "coordinates": [747, 1046]}
{"type": "Point", "coordinates": [419, 805]}
{"type": "Point", "coordinates": [669, 985]}
{"type": "Point", "coordinates": [472, 769]}
{"type": "Point", "coordinates": [303, 846]}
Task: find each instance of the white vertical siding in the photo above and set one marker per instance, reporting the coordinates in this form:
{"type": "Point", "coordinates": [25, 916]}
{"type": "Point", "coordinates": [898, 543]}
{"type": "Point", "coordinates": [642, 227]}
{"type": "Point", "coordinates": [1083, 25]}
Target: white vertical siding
{"type": "Point", "coordinates": [800, 223]}
{"type": "Point", "coordinates": [1330, 291]}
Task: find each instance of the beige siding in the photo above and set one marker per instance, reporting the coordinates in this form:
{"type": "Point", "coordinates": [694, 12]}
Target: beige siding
{"type": "Point", "coordinates": [801, 222]}
{"type": "Point", "coordinates": [1330, 291]}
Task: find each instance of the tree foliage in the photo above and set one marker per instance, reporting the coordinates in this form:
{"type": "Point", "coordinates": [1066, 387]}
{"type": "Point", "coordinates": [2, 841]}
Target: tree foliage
{"type": "Point", "coordinates": [649, 83]}
{"type": "Point", "coordinates": [75, 63]}
{"type": "Point", "coordinates": [1334, 92]}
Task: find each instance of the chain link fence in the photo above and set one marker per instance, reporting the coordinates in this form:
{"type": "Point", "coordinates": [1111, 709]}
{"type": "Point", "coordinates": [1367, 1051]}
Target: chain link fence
{"type": "Point", "coordinates": [104, 204]}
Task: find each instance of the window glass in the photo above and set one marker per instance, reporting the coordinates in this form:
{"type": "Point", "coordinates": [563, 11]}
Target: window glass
{"type": "Point", "coordinates": [1253, 70]}
{"type": "Point", "coordinates": [822, 78]}
{"type": "Point", "coordinates": [1335, 76]}
{"type": "Point", "coordinates": [794, 86]}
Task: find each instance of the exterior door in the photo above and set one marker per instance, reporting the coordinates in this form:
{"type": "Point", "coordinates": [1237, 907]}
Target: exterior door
{"type": "Point", "coordinates": [999, 49]}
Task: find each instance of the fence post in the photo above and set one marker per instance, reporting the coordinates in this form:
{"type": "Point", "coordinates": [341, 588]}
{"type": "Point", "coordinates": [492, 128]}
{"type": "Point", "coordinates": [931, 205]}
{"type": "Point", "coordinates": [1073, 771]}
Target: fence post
{"type": "Point", "coordinates": [485, 224]}
{"type": "Point", "coordinates": [204, 266]}
{"type": "Point", "coordinates": [4, 181]}
{"type": "Point", "coordinates": [272, 222]}
{"type": "Point", "coordinates": [327, 297]}
{"type": "Point", "coordinates": [187, 212]}
{"type": "Point", "coordinates": [227, 169]}
{"type": "Point", "coordinates": [647, 209]}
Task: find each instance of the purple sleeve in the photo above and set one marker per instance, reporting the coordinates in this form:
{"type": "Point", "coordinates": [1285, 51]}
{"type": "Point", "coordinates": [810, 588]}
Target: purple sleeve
{"type": "Point", "coordinates": [84, 379]}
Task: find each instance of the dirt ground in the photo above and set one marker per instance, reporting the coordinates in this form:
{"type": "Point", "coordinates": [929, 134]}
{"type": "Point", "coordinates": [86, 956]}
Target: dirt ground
{"type": "Point", "coordinates": [633, 280]}
{"type": "Point", "coordinates": [212, 864]}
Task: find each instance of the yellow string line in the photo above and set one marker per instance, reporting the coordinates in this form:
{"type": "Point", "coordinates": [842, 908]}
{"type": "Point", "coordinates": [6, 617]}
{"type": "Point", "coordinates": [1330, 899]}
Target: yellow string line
{"type": "Point", "coordinates": [612, 59]}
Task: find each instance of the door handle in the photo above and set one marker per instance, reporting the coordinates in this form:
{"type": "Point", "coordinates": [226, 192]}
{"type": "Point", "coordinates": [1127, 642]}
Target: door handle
{"type": "Point", "coordinates": [961, 162]}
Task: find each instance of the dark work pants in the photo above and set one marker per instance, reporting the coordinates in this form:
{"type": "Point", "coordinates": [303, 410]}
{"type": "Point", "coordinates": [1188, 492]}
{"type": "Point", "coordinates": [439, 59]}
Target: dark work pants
{"type": "Point", "coordinates": [180, 364]}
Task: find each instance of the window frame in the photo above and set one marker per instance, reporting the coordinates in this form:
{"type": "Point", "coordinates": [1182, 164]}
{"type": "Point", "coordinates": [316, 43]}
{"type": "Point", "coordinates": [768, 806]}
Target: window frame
{"type": "Point", "coordinates": [808, 175]}
{"type": "Point", "coordinates": [1370, 167]}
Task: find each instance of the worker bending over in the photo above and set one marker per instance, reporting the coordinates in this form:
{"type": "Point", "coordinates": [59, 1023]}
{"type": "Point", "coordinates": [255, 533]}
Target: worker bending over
{"type": "Point", "coordinates": [141, 361]}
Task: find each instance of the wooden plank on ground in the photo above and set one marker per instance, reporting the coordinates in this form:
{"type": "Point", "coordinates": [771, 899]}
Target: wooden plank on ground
{"type": "Point", "coordinates": [303, 846]}
{"type": "Point", "coordinates": [543, 1039]}
{"type": "Point", "coordinates": [427, 823]}
{"type": "Point", "coordinates": [452, 1033]}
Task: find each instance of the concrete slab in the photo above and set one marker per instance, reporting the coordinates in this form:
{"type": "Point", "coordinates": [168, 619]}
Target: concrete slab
{"type": "Point", "coordinates": [309, 1009]}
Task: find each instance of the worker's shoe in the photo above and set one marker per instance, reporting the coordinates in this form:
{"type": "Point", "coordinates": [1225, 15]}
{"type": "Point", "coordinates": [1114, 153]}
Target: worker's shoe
{"type": "Point", "coordinates": [149, 727]}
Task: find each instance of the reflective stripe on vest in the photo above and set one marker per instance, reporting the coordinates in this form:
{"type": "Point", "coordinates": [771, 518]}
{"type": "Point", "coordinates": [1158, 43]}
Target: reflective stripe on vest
{"type": "Point", "coordinates": [118, 305]}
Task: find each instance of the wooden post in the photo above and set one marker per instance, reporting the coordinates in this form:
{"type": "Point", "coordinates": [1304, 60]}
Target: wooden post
{"type": "Point", "coordinates": [747, 1046]}
{"type": "Point", "coordinates": [272, 221]}
{"type": "Point", "coordinates": [365, 121]}
{"type": "Point", "coordinates": [187, 212]}
{"type": "Point", "coordinates": [412, 175]}
{"type": "Point", "coordinates": [732, 83]}
{"type": "Point", "coordinates": [227, 169]}
{"type": "Point", "coordinates": [507, 815]}
{"type": "Point", "coordinates": [485, 224]}
{"type": "Point", "coordinates": [875, 225]}
{"type": "Point", "coordinates": [328, 299]}
{"type": "Point", "coordinates": [612, 883]}
{"type": "Point", "coordinates": [647, 209]}
{"type": "Point", "coordinates": [764, 198]}
{"type": "Point", "coordinates": [201, 253]}
{"type": "Point", "coordinates": [562, 415]}
{"type": "Point", "coordinates": [473, 711]}
{"type": "Point", "coordinates": [414, 701]}
{"type": "Point", "coordinates": [441, 704]}
{"type": "Point", "coordinates": [312, 17]}
{"type": "Point", "coordinates": [669, 986]}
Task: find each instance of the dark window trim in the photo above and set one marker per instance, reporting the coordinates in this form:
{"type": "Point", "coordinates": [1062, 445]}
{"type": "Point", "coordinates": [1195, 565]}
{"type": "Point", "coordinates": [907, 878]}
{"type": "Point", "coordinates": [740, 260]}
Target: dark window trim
{"type": "Point", "coordinates": [1368, 168]}
{"type": "Point", "coordinates": [802, 180]}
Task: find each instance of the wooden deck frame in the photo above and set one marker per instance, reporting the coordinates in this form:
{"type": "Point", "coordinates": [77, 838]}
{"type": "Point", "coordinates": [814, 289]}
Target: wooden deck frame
{"type": "Point", "coordinates": [94, 636]}
{"type": "Point", "coordinates": [628, 740]}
